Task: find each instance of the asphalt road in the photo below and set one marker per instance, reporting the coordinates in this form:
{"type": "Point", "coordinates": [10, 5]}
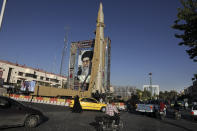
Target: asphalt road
{"type": "Point", "coordinates": [62, 119]}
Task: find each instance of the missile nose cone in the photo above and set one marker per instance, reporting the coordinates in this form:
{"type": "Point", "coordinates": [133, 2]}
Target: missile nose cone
{"type": "Point", "coordinates": [100, 18]}
{"type": "Point", "coordinates": [101, 6]}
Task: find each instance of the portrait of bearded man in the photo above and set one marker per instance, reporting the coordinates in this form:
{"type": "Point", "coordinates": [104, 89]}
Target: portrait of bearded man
{"type": "Point", "coordinates": [85, 70]}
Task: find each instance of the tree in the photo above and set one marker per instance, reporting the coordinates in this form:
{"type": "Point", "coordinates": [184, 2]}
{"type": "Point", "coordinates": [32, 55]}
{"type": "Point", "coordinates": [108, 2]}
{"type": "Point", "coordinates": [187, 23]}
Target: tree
{"type": "Point", "coordinates": [139, 93]}
{"type": "Point", "coordinates": [146, 95]}
{"type": "Point", "coordinates": [187, 22]}
{"type": "Point", "coordinates": [195, 77]}
{"type": "Point", "coordinates": [171, 95]}
{"type": "Point", "coordinates": [162, 95]}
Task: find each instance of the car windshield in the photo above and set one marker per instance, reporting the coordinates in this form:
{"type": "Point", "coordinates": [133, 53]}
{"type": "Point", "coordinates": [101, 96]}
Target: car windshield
{"type": "Point", "coordinates": [88, 100]}
{"type": "Point", "coordinates": [91, 100]}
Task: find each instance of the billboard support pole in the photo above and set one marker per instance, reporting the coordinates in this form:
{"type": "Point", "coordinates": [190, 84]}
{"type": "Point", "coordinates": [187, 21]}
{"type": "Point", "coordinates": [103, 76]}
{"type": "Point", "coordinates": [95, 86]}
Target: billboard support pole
{"type": "Point", "coordinates": [2, 12]}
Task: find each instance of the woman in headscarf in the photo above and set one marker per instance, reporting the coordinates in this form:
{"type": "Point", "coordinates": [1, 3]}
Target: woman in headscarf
{"type": "Point", "coordinates": [77, 107]}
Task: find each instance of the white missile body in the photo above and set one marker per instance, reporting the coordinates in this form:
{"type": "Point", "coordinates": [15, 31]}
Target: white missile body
{"type": "Point", "coordinates": [100, 40]}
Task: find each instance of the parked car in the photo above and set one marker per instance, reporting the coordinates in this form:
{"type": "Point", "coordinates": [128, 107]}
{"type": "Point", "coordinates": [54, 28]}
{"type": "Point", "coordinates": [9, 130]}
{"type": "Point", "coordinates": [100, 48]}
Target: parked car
{"type": "Point", "coordinates": [194, 112]}
{"type": "Point", "coordinates": [90, 104]}
{"type": "Point", "coordinates": [13, 113]}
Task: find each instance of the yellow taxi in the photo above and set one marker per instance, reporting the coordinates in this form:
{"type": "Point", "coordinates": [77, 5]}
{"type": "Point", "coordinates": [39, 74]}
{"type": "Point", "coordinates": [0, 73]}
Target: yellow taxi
{"type": "Point", "coordinates": [90, 104]}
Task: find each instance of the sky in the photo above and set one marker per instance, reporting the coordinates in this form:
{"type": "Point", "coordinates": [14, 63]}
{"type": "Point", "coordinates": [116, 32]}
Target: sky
{"type": "Point", "coordinates": [142, 40]}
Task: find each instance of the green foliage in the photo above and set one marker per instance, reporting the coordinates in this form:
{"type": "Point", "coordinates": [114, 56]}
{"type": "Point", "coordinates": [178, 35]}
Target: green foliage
{"type": "Point", "coordinates": [171, 95]}
{"type": "Point", "coordinates": [143, 95]}
{"type": "Point", "coordinates": [187, 22]}
{"type": "Point", "coordinates": [138, 91]}
{"type": "Point", "coordinates": [195, 77]}
{"type": "Point", "coordinates": [134, 98]}
{"type": "Point", "coordinates": [146, 95]}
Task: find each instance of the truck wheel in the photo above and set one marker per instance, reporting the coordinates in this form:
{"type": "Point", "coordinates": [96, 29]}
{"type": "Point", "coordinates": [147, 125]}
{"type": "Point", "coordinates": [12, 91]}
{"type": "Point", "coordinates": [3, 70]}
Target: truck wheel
{"type": "Point", "coordinates": [31, 121]}
{"type": "Point", "coordinates": [103, 109]}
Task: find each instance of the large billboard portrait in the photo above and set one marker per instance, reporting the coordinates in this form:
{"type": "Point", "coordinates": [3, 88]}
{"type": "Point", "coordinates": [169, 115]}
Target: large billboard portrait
{"type": "Point", "coordinates": [80, 65]}
{"type": "Point", "coordinates": [84, 68]}
{"type": "Point", "coordinates": [81, 56]}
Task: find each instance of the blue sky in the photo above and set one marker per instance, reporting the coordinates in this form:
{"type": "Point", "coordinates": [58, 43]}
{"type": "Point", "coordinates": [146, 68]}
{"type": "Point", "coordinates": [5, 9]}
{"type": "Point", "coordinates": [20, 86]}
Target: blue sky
{"type": "Point", "coordinates": [141, 36]}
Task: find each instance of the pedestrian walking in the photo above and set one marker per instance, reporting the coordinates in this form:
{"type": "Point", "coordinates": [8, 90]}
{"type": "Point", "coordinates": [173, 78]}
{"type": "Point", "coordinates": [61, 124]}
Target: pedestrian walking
{"type": "Point", "coordinates": [186, 105]}
{"type": "Point", "coordinates": [77, 106]}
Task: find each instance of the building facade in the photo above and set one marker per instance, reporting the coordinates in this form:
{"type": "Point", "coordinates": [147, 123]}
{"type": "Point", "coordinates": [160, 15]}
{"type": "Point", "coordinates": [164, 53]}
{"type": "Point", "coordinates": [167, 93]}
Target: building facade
{"type": "Point", "coordinates": [124, 92]}
{"type": "Point", "coordinates": [15, 74]}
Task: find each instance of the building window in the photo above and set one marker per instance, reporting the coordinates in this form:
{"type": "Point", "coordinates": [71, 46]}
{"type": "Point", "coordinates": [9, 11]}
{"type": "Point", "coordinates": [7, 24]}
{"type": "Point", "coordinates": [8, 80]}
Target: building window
{"type": "Point", "coordinates": [54, 80]}
{"type": "Point", "coordinates": [18, 82]}
{"type": "Point", "coordinates": [41, 77]}
{"type": "Point", "coordinates": [31, 75]}
{"type": "Point", "coordinates": [20, 73]}
{"type": "Point", "coordinates": [47, 79]}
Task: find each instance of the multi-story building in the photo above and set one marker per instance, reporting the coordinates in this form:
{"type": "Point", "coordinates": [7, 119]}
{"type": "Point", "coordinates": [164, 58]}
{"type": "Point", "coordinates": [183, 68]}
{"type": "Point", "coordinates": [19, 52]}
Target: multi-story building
{"type": "Point", "coordinates": [124, 91]}
{"type": "Point", "coordinates": [15, 74]}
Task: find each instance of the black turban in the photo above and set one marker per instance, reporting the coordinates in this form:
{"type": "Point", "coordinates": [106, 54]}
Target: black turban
{"type": "Point", "coordinates": [87, 54]}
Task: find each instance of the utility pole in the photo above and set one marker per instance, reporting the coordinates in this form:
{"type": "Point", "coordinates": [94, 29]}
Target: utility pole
{"type": "Point", "coordinates": [64, 52]}
{"type": "Point", "coordinates": [62, 66]}
{"type": "Point", "coordinates": [2, 12]}
{"type": "Point", "coordinates": [150, 76]}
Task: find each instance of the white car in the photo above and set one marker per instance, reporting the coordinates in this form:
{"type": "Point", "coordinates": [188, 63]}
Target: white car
{"type": "Point", "coordinates": [194, 111]}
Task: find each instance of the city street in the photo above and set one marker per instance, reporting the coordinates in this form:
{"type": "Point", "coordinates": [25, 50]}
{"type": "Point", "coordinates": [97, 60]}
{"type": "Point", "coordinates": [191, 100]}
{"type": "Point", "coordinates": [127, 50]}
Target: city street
{"type": "Point", "coordinates": [62, 119]}
{"type": "Point", "coordinates": [138, 56]}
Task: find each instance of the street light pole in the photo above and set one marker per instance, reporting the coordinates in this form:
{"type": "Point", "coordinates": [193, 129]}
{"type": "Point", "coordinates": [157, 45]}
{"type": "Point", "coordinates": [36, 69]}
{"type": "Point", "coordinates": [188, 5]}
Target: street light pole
{"type": "Point", "coordinates": [150, 76]}
{"type": "Point", "coordinates": [2, 12]}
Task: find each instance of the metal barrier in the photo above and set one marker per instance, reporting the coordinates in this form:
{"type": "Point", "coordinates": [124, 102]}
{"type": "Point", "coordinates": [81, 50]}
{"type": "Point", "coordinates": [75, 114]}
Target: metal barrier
{"type": "Point", "coordinates": [43, 100]}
